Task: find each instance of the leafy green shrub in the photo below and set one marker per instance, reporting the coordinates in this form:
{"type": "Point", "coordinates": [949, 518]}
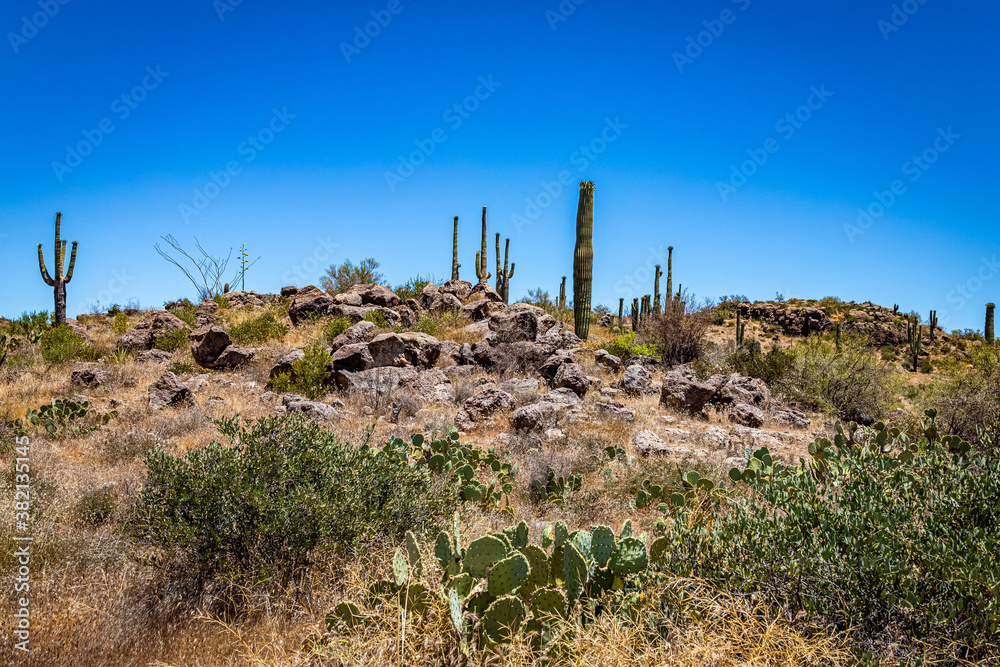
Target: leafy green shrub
{"type": "Point", "coordinates": [119, 324]}
{"type": "Point", "coordinates": [60, 344]}
{"type": "Point", "coordinates": [30, 326]}
{"type": "Point", "coordinates": [877, 533]}
{"type": "Point", "coordinates": [257, 330]}
{"type": "Point", "coordinates": [222, 301]}
{"type": "Point", "coordinates": [968, 400]}
{"type": "Point", "coordinates": [376, 318]}
{"type": "Point", "coordinates": [414, 287]}
{"type": "Point", "coordinates": [773, 367]}
{"type": "Point", "coordinates": [187, 312]}
{"type": "Point", "coordinates": [114, 309]}
{"type": "Point", "coordinates": [341, 278]}
{"type": "Point", "coordinates": [175, 340]}
{"type": "Point", "coordinates": [282, 490]}
{"type": "Point", "coordinates": [335, 327]}
{"type": "Point", "coordinates": [310, 375]}
{"type": "Point", "coordinates": [625, 347]}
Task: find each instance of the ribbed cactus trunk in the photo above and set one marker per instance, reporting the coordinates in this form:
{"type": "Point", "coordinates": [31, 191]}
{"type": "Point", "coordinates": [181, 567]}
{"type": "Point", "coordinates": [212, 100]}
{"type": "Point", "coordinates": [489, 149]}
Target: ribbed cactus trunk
{"type": "Point", "coordinates": [499, 285]}
{"type": "Point", "coordinates": [670, 272]}
{"type": "Point", "coordinates": [482, 270]}
{"type": "Point", "coordinates": [454, 252]}
{"type": "Point", "coordinates": [507, 272]}
{"type": "Point", "coordinates": [58, 283]}
{"type": "Point", "coordinates": [933, 322]}
{"type": "Point", "coordinates": [656, 289]}
{"type": "Point", "coordinates": [583, 259]}
{"type": "Point", "coordinates": [562, 294]}
{"type": "Point", "coordinates": [635, 314]}
{"type": "Point", "coordinates": [621, 313]}
{"type": "Point", "coordinates": [989, 323]}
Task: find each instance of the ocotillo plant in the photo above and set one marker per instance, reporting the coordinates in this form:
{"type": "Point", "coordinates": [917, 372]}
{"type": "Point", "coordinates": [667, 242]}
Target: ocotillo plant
{"type": "Point", "coordinates": [621, 313]}
{"type": "Point", "coordinates": [59, 282]}
{"type": "Point", "coordinates": [913, 333]}
{"type": "Point", "coordinates": [656, 289]}
{"type": "Point", "coordinates": [670, 271]}
{"type": "Point", "coordinates": [583, 259]}
{"type": "Point", "coordinates": [454, 252]}
{"type": "Point", "coordinates": [505, 274]}
{"type": "Point", "coordinates": [635, 314]}
{"type": "Point", "coordinates": [482, 272]}
{"type": "Point", "coordinates": [562, 294]}
{"type": "Point", "coordinates": [989, 323]}
{"type": "Point", "coordinates": [933, 322]}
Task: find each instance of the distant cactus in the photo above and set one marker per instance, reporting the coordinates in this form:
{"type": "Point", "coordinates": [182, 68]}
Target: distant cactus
{"type": "Point", "coordinates": [656, 289]}
{"type": "Point", "coordinates": [895, 309]}
{"type": "Point", "coordinates": [913, 339]}
{"type": "Point", "coordinates": [225, 288]}
{"type": "Point", "coordinates": [680, 292]}
{"type": "Point", "coordinates": [635, 314]}
{"type": "Point", "coordinates": [621, 313]}
{"type": "Point", "coordinates": [59, 282]}
{"type": "Point", "coordinates": [562, 294]}
{"type": "Point", "coordinates": [482, 272]}
{"type": "Point", "coordinates": [741, 328]}
{"type": "Point", "coordinates": [454, 252]}
{"type": "Point", "coordinates": [933, 322]}
{"type": "Point", "coordinates": [670, 272]}
{"type": "Point", "coordinates": [989, 322]}
{"type": "Point", "coordinates": [583, 260]}
{"type": "Point", "coordinates": [504, 274]}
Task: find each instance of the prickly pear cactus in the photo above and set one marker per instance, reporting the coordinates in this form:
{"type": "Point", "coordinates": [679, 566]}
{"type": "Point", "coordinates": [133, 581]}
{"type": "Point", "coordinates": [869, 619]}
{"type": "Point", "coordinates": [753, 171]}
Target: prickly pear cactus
{"type": "Point", "coordinates": [446, 556]}
{"type": "Point", "coordinates": [575, 572]}
{"type": "Point", "coordinates": [508, 575]}
{"type": "Point", "coordinates": [416, 563]}
{"type": "Point", "coordinates": [602, 543]}
{"type": "Point", "coordinates": [503, 619]}
{"type": "Point", "coordinates": [548, 605]}
{"type": "Point", "coordinates": [400, 568]}
{"type": "Point", "coordinates": [629, 558]}
{"type": "Point", "coordinates": [482, 553]}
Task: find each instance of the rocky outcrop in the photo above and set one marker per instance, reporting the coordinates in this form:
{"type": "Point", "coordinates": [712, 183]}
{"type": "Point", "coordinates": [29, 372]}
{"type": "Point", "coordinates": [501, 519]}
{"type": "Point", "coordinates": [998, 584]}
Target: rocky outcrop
{"type": "Point", "coordinates": [437, 302]}
{"type": "Point", "coordinates": [792, 320]}
{"type": "Point", "coordinates": [207, 312]}
{"type": "Point", "coordinates": [315, 409]}
{"type": "Point", "coordinates": [637, 380]}
{"type": "Point", "coordinates": [483, 291]}
{"type": "Point", "coordinates": [483, 404]}
{"type": "Point", "coordinates": [682, 391]}
{"type": "Point", "coordinates": [212, 347]}
{"type": "Point", "coordinates": [153, 357]}
{"type": "Point", "coordinates": [404, 349]}
{"type": "Point", "coordinates": [609, 361]}
{"type": "Point", "coordinates": [746, 415]}
{"type": "Point", "coordinates": [89, 378]}
{"type": "Point", "coordinates": [158, 324]}
{"type": "Point", "coordinates": [309, 302]}
{"type": "Point", "coordinates": [571, 376]}
{"type": "Point", "coordinates": [362, 332]}
{"type": "Point", "coordinates": [878, 334]}
{"type": "Point", "coordinates": [368, 295]}
{"type": "Point", "coordinates": [520, 322]}
{"type": "Point", "coordinates": [169, 392]}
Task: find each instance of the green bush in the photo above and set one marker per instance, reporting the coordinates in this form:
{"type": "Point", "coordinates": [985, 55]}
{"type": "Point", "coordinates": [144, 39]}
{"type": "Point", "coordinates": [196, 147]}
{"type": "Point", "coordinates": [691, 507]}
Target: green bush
{"type": "Point", "coordinates": [222, 301]}
{"type": "Point", "coordinates": [29, 327]}
{"type": "Point", "coordinates": [339, 279]}
{"type": "Point", "coordinates": [335, 327]}
{"type": "Point", "coordinates": [310, 375]}
{"type": "Point", "coordinates": [257, 330]}
{"type": "Point", "coordinates": [376, 318]}
{"type": "Point", "coordinates": [187, 313]}
{"type": "Point", "coordinates": [278, 493]}
{"type": "Point", "coordinates": [773, 367]}
{"type": "Point", "coordinates": [625, 347]}
{"type": "Point", "coordinates": [414, 287]}
{"type": "Point", "coordinates": [60, 344]}
{"type": "Point", "coordinates": [120, 323]}
{"type": "Point", "coordinates": [175, 340]}
{"type": "Point", "coordinates": [968, 400]}
{"type": "Point", "coordinates": [877, 533]}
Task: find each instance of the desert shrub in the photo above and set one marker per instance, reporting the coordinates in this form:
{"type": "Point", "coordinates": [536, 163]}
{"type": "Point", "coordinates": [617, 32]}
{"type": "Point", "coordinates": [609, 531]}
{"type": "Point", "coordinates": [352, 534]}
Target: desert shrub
{"type": "Point", "coordinates": [677, 332]}
{"type": "Point", "coordinates": [175, 340]}
{"type": "Point", "coordinates": [626, 347]}
{"type": "Point", "coordinates": [968, 401]}
{"type": "Point", "coordinates": [96, 507]}
{"type": "Point", "coordinates": [341, 278]}
{"type": "Point", "coordinates": [335, 327]}
{"type": "Point", "coordinates": [185, 311]}
{"type": "Point", "coordinates": [310, 375]}
{"type": "Point", "coordinates": [853, 383]}
{"type": "Point", "coordinates": [888, 536]}
{"type": "Point", "coordinates": [773, 367]}
{"type": "Point", "coordinates": [119, 324]}
{"type": "Point", "coordinates": [719, 315]}
{"type": "Point", "coordinates": [29, 327]}
{"type": "Point", "coordinates": [539, 297]}
{"type": "Point", "coordinates": [222, 301]}
{"type": "Point", "coordinates": [414, 287]}
{"type": "Point", "coordinates": [257, 330]}
{"type": "Point", "coordinates": [277, 493]}
{"type": "Point", "coordinates": [60, 344]}
{"type": "Point", "coordinates": [181, 367]}
{"type": "Point", "coordinates": [376, 318]}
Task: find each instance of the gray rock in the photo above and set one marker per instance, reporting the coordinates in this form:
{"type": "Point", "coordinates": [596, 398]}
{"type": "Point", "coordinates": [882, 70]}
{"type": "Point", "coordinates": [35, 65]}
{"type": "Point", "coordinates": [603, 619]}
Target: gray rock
{"type": "Point", "coordinates": [484, 291]}
{"type": "Point", "coordinates": [211, 347]}
{"type": "Point", "coordinates": [308, 302]}
{"type": "Point", "coordinates": [296, 403]}
{"type": "Point", "coordinates": [169, 392]}
{"type": "Point", "coordinates": [284, 365]}
{"type": "Point", "coordinates": [536, 415]}
{"type": "Point", "coordinates": [684, 393]}
{"type": "Point", "coordinates": [616, 410]}
{"type": "Point", "coordinates": [608, 360]}
{"type": "Point", "coordinates": [353, 357]}
{"type": "Point", "coordinates": [404, 349]}
{"type": "Point", "coordinates": [157, 324]}
{"type": "Point", "coordinates": [89, 377]}
{"type": "Point", "coordinates": [636, 380]}
{"type": "Point", "coordinates": [153, 357]}
{"type": "Point", "coordinates": [551, 365]}
{"type": "Point", "coordinates": [790, 417]}
{"type": "Point", "coordinates": [562, 396]}
{"type": "Point", "coordinates": [746, 415]}
{"type": "Point", "coordinates": [482, 405]}
{"type": "Point", "coordinates": [482, 309]}
{"type": "Point", "coordinates": [362, 332]}
{"type": "Point", "coordinates": [459, 288]}
{"type": "Point", "coordinates": [571, 376]}
{"type": "Point", "coordinates": [647, 442]}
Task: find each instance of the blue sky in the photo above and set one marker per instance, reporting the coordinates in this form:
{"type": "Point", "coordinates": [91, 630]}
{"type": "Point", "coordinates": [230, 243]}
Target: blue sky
{"type": "Point", "coordinates": [749, 135]}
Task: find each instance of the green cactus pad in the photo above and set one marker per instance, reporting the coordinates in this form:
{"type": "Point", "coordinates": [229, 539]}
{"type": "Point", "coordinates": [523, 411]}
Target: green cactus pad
{"type": "Point", "coordinates": [581, 539]}
{"type": "Point", "coordinates": [507, 575]}
{"type": "Point", "coordinates": [482, 553]}
{"type": "Point", "coordinates": [602, 543]}
{"type": "Point", "coordinates": [503, 619]}
{"type": "Point", "coordinates": [461, 584]}
{"type": "Point", "coordinates": [601, 581]}
{"type": "Point", "coordinates": [400, 568]}
{"type": "Point", "coordinates": [455, 612]}
{"type": "Point", "coordinates": [346, 613]}
{"type": "Point", "coordinates": [416, 598]}
{"type": "Point", "coordinates": [658, 552]}
{"type": "Point", "coordinates": [413, 556]}
{"type": "Point", "coordinates": [503, 538]}
{"type": "Point", "coordinates": [379, 592]}
{"type": "Point", "coordinates": [628, 558]}
{"type": "Point", "coordinates": [560, 534]}
{"type": "Point", "coordinates": [446, 555]}
{"type": "Point", "coordinates": [538, 572]}
{"type": "Point", "coordinates": [478, 602]}
{"type": "Point", "coordinates": [626, 529]}
{"type": "Point", "coordinates": [548, 605]}
{"type": "Point", "coordinates": [575, 572]}
{"type": "Point", "coordinates": [521, 535]}
{"type": "Point", "coordinates": [547, 537]}
{"type": "Point", "coordinates": [556, 575]}
{"type": "Point", "coordinates": [437, 463]}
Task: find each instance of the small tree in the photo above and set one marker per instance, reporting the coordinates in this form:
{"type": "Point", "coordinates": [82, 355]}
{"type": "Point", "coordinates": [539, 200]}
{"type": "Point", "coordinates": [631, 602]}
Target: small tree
{"type": "Point", "coordinates": [208, 275]}
{"type": "Point", "coordinates": [341, 278]}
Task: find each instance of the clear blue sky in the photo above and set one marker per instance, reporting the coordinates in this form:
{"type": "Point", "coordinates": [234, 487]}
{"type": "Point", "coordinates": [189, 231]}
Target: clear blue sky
{"type": "Point", "coordinates": [664, 122]}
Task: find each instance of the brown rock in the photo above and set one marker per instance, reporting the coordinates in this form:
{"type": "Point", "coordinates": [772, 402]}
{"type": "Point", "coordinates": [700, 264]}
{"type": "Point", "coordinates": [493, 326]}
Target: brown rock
{"type": "Point", "coordinates": [308, 302]}
{"type": "Point", "coordinates": [169, 392]}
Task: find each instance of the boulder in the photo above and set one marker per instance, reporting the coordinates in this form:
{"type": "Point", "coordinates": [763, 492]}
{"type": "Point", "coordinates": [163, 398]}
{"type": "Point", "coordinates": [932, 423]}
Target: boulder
{"type": "Point", "coordinates": [364, 295]}
{"type": "Point", "coordinates": [520, 322]}
{"type": "Point", "coordinates": [289, 291]}
{"type": "Point", "coordinates": [308, 302]}
{"type": "Point", "coordinates": [89, 377]}
{"type": "Point", "coordinates": [746, 415]}
{"type": "Point", "coordinates": [607, 360]}
{"type": "Point", "coordinates": [207, 312]}
{"type": "Point", "coordinates": [353, 357]}
{"type": "Point", "coordinates": [153, 357]}
{"type": "Point", "coordinates": [571, 376]}
{"type": "Point", "coordinates": [436, 301]}
{"type": "Point", "coordinates": [647, 442]}
{"type": "Point", "coordinates": [451, 354]}
{"type": "Point", "coordinates": [790, 417]}
{"type": "Point", "coordinates": [79, 331]}
{"type": "Point", "coordinates": [483, 291]}
{"type": "Point", "coordinates": [682, 392]}
{"type": "Point", "coordinates": [616, 410]}
{"type": "Point", "coordinates": [362, 332]}
{"type": "Point", "coordinates": [483, 404]}
{"type": "Point", "coordinates": [793, 321]}
{"type": "Point", "coordinates": [296, 403]}
{"type": "Point", "coordinates": [482, 309]}
{"type": "Point", "coordinates": [404, 349]}
{"type": "Point", "coordinates": [636, 380]}
{"type": "Point", "coordinates": [245, 299]}
{"type": "Point", "coordinates": [562, 396]}
{"type": "Point", "coordinates": [878, 334]}
{"type": "Point", "coordinates": [536, 415]}
{"type": "Point", "coordinates": [551, 365]}
{"type": "Point", "coordinates": [736, 388]}
{"type": "Point", "coordinates": [211, 347]}
{"type": "Point", "coordinates": [168, 392]}
{"type": "Point", "coordinates": [157, 324]}
{"type": "Point", "coordinates": [284, 365]}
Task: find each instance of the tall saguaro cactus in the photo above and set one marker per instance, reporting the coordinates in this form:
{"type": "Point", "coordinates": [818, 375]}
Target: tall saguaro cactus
{"type": "Point", "coordinates": [670, 272]}
{"type": "Point", "coordinates": [583, 259]}
{"type": "Point", "coordinates": [913, 340]}
{"type": "Point", "coordinates": [933, 322]}
{"type": "Point", "coordinates": [989, 322]}
{"type": "Point", "coordinates": [504, 274]}
{"type": "Point", "coordinates": [482, 272]}
{"type": "Point", "coordinates": [635, 314]}
{"type": "Point", "coordinates": [656, 290]}
{"type": "Point", "coordinates": [562, 294]}
{"type": "Point", "coordinates": [454, 252]}
{"type": "Point", "coordinates": [621, 313]}
{"type": "Point", "coordinates": [58, 283]}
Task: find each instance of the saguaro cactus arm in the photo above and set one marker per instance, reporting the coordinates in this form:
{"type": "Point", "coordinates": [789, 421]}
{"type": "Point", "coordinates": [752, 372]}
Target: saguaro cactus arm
{"type": "Point", "coordinates": [41, 267]}
{"type": "Point", "coordinates": [72, 263]}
